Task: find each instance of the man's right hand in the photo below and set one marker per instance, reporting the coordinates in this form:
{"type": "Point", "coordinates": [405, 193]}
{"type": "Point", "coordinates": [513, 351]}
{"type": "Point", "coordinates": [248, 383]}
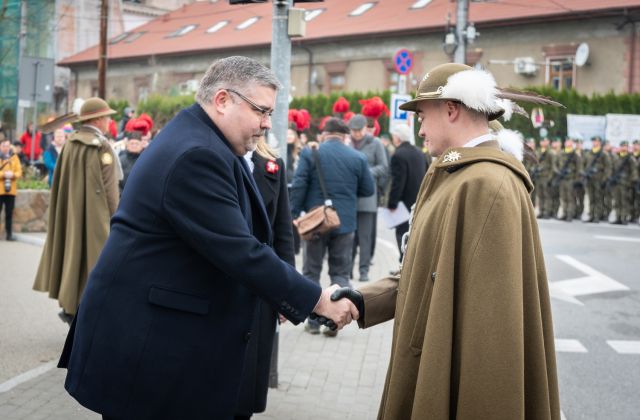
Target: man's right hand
{"type": "Point", "coordinates": [341, 312]}
{"type": "Point", "coordinates": [353, 295]}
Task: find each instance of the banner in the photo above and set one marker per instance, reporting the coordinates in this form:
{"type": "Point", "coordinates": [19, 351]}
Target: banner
{"type": "Point", "coordinates": [622, 127]}
{"type": "Point", "coordinates": [586, 126]}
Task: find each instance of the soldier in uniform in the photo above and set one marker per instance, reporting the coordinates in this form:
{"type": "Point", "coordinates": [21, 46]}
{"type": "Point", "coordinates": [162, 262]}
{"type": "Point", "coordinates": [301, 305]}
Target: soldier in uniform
{"type": "Point", "coordinates": [597, 169]}
{"type": "Point", "coordinates": [608, 191]}
{"type": "Point", "coordinates": [544, 173]}
{"type": "Point", "coordinates": [579, 186]}
{"type": "Point", "coordinates": [84, 196]}
{"type": "Point", "coordinates": [569, 168]}
{"type": "Point", "coordinates": [622, 180]}
{"type": "Point", "coordinates": [472, 332]}
{"type": "Point", "coordinates": [556, 148]}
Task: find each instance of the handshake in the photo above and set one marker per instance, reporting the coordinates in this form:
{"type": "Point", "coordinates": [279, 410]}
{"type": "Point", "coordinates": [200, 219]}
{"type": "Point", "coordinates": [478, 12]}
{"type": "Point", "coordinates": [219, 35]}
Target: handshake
{"type": "Point", "coordinates": [337, 307]}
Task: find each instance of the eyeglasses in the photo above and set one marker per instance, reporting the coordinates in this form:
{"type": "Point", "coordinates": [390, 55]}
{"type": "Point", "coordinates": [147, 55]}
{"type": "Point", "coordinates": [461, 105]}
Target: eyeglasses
{"type": "Point", "coordinates": [264, 112]}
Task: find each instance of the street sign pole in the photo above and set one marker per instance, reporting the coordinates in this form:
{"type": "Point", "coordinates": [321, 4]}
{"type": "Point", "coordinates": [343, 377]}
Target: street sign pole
{"type": "Point", "coordinates": [281, 66]}
{"type": "Point", "coordinates": [35, 110]}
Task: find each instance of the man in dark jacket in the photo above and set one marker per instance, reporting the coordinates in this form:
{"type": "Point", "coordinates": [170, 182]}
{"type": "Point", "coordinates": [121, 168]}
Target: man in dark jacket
{"type": "Point", "coordinates": [130, 155]}
{"type": "Point", "coordinates": [408, 167]}
{"type": "Point", "coordinates": [165, 319]}
{"type": "Point", "coordinates": [347, 177]}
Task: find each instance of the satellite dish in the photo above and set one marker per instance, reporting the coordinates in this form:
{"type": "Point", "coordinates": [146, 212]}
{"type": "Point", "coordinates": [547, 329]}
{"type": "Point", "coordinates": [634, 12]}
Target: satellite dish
{"type": "Point", "coordinates": [582, 54]}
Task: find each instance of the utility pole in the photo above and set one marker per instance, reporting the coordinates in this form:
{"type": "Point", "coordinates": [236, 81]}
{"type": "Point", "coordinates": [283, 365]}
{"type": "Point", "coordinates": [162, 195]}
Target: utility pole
{"type": "Point", "coordinates": [281, 66]}
{"type": "Point", "coordinates": [462, 17]}
{"type": "Point", "coordinates": [22, 49]}
{"type": "Point", "coordinates": [102, 58]}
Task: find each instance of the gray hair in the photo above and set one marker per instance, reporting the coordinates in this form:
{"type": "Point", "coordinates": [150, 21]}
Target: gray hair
{"type": "Point", "coordinates": [402, 132]}
{"type": "Point", "coordinates": [235, 72]}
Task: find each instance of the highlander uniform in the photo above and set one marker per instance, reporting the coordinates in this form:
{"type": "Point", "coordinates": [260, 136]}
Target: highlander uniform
{"type": "Point", "coordinates": [84, 196]}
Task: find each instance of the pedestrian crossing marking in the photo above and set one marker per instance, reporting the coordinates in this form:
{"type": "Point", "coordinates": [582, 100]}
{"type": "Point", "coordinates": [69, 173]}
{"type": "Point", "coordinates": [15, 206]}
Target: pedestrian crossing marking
{"type": "Point", "coordinates": [617, 238]}
{"type": "Point", "coordinates": [565, 345]}
{"type": "Point", "coordinates": [593, 283]}
{"type": "Point", "coordinates": [625, 346]}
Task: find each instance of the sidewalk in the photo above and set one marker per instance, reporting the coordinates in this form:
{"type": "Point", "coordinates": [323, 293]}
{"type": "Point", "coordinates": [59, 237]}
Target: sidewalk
{"type": "Point", "coordinates": [319, 377]}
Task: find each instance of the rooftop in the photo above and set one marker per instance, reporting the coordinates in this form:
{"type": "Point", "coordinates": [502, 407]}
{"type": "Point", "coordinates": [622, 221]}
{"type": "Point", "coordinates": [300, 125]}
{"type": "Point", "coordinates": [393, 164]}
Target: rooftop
{"type": "Point", "coordinates": [215, 25]}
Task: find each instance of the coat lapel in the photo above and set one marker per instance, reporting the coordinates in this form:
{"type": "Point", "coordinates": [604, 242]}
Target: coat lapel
{"type": "Point", "coordinates": [267, 182]}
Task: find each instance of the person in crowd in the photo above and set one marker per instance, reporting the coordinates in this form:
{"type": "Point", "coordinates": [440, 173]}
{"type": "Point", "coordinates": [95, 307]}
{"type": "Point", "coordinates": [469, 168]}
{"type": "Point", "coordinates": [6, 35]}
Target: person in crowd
{"type": "Point", "coordinates": [28, 143]}
{"type": "Point", "coordinates": [129, 156]}
{"type": "Point", "coordinates": [621, 182]}
{"type": "Point", "coordinates": [556, 148]}
{"type": "Point", "coordinates": [270, 175]}
{"type": "Point", "coordinates": [84, 196]}
{"type": "Point", "coordinates": [294, 146]}
{"type": "Point", "coordinates": [127, 114]}
{"type": "Point", "coordinates": [579, 186]}
{"type": "Point", "coordinates": [597, 170]}
{"type": "Point", "coordinates": [50, 155]}
{"type": "Point", "coordinates": [408, 167]}
{"type": "Point", "coordinates": [365, 235]}
{"type": "Point", "coordinates": [165, 320]}
{"type": "Point", "coordinates": [569, 169]}
{"type": "Point", "coordinates": [18, 151]}
{"type": "Point", "coordinates": [10, 172]}
{"type": "Point", "coordinates": [473, 332]}
{"type": "Point", "coordinates": [346, 176]}
{"type": "Point", "coordinates": [544, 172]}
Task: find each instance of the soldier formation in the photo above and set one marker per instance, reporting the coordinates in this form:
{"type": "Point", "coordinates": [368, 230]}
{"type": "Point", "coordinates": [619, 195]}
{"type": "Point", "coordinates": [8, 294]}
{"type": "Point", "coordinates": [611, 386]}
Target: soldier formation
{"type": "Point", "coordinates": [608, 175]}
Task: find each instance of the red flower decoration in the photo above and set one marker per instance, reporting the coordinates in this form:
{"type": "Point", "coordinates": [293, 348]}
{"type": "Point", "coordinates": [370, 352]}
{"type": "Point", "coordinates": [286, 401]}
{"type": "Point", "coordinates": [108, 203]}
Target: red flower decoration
{"type": "Point", "coordinates": [272, 167]}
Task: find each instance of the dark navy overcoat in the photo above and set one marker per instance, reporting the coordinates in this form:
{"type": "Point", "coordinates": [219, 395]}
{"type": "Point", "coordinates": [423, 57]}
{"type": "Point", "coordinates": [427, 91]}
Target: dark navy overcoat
{"type": "Point", "coordinates": [165, 319]}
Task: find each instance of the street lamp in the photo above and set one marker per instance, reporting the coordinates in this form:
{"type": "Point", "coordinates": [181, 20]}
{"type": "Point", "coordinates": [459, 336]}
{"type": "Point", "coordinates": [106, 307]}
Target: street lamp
{"type": "Point", "coordinates": [450, 42]}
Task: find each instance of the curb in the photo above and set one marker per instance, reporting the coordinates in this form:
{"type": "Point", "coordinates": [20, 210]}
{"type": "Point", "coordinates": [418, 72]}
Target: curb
{"type": "Point", "coordinates": [28, 239]}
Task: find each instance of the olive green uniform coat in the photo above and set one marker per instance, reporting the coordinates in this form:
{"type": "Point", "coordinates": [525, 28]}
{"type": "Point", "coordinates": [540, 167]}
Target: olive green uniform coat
{"type": "Point", "coordinates": [84, 196]}
{"type": "Point", "coordinates": [597, 170]}
{"type": "Point", "coordinates": [545, 170]}
{"type": "Point", "coordinates": [473, 336]}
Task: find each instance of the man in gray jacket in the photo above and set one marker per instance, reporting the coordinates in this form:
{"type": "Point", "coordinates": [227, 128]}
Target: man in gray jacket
{"type": "Point", "coordinates": [367, 206]}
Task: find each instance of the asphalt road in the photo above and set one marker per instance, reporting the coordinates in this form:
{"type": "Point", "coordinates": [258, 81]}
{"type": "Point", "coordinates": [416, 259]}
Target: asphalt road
{"type": "Point", "coordinates": [594, 281]}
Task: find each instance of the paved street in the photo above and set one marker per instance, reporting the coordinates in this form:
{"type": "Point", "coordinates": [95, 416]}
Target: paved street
{"type": "Point", "coordinates": [594, 283]}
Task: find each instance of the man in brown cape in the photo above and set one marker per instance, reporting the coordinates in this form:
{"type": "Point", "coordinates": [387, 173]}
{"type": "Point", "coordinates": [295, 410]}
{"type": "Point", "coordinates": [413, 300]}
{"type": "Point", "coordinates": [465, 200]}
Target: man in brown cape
{"type": "Point", "coordinates": [84, 196]}
{"type": "Point", "coordinates": [473, 336]}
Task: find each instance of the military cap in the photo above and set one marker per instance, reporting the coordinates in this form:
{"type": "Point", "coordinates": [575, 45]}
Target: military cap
{"type": "Point", "coordinates": [94, 108]}
{"type": "Point", "coordinates": [624, 143]}
{"type": "Point", "coordinates": [636, 142]}
{"type": "Point", "coordinates": [476, 89]}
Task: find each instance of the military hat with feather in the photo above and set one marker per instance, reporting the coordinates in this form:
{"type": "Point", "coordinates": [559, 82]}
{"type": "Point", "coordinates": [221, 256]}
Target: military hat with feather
{"type": "Point", "coordinates": [474, 88]}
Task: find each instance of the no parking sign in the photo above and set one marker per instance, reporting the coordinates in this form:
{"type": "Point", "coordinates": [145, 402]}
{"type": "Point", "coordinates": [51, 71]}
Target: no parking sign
{"type": "Point", "coordinates": [403, 61]}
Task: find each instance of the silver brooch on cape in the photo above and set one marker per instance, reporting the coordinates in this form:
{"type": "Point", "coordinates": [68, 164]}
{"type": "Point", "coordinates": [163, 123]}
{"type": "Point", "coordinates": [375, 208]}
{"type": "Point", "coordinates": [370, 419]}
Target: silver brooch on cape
{"type": "Point", "coordinates": [452, 156]}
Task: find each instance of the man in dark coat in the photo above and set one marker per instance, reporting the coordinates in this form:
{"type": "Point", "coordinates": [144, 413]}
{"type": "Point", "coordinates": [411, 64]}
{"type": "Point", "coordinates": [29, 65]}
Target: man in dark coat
{"type": "Point", "coordinates": [164, 322]}
{"type": "Point", "coordinates": [408, 167]}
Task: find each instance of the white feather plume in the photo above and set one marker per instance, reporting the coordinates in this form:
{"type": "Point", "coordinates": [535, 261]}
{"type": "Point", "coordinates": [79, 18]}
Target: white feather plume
{"type": "Point", "coordinates": [507, 105]}
{"type": "Point", "coordinates": [511, 142]}
{"type": "Point", "coordinates": [474, 88]}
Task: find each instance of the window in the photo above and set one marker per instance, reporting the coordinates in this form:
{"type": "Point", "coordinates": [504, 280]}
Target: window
{"type": "Point", "coordinates": [309, 15]}
{"type": "Point", "coordinates": [182, 31]}
{"type": "Point", "coordinates": [119, 38]}
{"type": "Point", "coordinates": [420, 4]}
{"type": "Point", "coordinates": [360, 10]}
{"type": "Point", "coordinates": [247, 23]}
{"type": "Point", "coordinates": [560, 72]}
{"type": "Point", "coordinates": [336, 82]}
{"type": "Point", "coordinates": [217, 26]}
{"type": "Point", "coordinates": [133, 37]}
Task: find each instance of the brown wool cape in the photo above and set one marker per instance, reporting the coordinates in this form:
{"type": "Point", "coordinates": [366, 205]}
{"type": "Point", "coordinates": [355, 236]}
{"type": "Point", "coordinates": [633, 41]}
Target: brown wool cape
{"type": "Point", "coordinates": [84, 196]}
{"type": "Point", "coordinates": [473, 335]}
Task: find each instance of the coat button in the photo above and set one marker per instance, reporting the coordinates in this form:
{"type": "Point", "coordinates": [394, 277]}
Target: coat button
{"type": "Point", "coordinates": [97, 191]}
{"type": "Point", "coordinates": [247, 337]}
{"type": "Point", "coordinates": [433, 276]}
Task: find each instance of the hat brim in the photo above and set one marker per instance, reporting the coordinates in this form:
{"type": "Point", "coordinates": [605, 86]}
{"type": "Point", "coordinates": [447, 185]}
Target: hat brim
{"type": "Point", "coordinates": [94, 115]}
{"type": "Point", "coordinates": [413, 104]}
